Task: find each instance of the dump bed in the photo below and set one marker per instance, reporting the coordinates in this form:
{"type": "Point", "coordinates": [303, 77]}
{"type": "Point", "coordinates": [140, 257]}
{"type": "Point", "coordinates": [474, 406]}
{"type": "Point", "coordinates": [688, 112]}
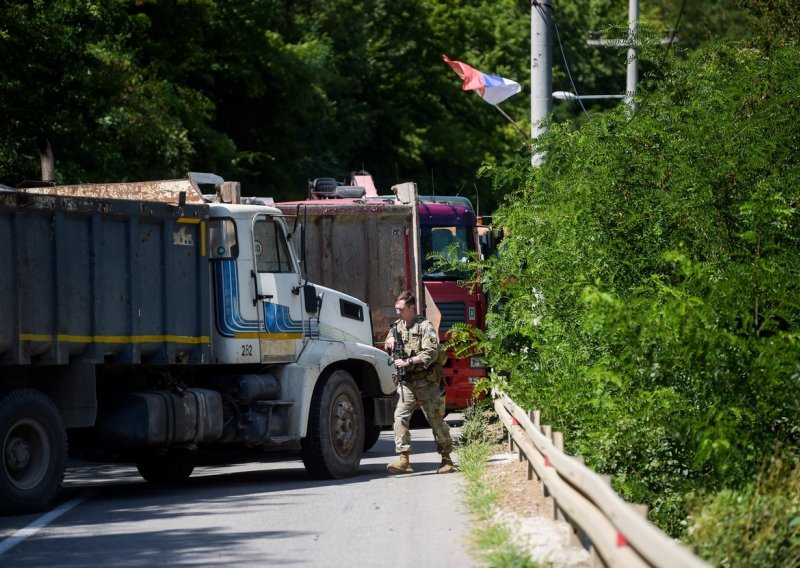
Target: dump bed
{"type": "Point", "coordinates": [361, 247]}
{"type": "Point", "coordinates": [116, 281]}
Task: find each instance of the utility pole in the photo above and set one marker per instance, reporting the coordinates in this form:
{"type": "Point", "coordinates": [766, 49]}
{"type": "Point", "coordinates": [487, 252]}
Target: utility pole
{"type": "Point", "coordinates": [632, 41]}
{"type": "Point", "coordinates": [541, 71]}
{"type": "Point", "coordinates": [632, 79]}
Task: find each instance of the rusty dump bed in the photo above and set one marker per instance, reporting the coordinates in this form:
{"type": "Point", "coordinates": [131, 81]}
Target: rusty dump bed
{"type": "Point", "coordinates": [164, 191]}
{"type": "Point", "coordinates": [362, 248]}
{"type": "Point", "coordinates": [115, 273]}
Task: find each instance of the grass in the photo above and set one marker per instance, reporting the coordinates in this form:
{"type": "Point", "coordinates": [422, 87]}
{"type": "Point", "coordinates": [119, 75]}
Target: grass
{"type": "Point", "coordinates": [491, 540]}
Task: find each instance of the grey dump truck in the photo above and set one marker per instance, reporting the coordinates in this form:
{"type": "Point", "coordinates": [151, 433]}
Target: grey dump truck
{"type": "Point", "coordinates": [149, 321]}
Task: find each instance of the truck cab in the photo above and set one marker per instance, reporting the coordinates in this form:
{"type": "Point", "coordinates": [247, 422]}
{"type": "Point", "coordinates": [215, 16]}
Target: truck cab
{"type": "Point", "coordinates": [448, 230]}
{"type": "Point", "coordinates": [263, 308]}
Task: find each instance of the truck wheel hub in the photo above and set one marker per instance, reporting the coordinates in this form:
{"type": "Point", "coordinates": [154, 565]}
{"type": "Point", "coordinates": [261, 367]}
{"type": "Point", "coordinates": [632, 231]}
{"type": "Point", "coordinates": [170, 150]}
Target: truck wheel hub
{"type": "Point", "coordinates": [18, 454]}
{"type": "Point", "coordinates": [343, 426]}
{"type": "Point", "coordinates": [26, 454]}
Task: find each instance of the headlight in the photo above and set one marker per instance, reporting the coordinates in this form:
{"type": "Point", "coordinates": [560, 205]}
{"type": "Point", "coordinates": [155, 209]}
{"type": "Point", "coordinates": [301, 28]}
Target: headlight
{"type": "Point", "coordinates": [476, 362]}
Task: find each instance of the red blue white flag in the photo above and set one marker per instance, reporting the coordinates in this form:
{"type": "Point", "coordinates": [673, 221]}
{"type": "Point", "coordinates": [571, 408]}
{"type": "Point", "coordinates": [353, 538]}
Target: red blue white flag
{"type": "Point", "coordinates": [491, 88]}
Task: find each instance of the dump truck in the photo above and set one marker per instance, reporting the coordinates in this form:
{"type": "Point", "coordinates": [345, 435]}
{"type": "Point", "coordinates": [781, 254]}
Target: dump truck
{"type": "Point", "coordinates": [151, 321]}
{"type": "Point", "coordinates": [374, 246]}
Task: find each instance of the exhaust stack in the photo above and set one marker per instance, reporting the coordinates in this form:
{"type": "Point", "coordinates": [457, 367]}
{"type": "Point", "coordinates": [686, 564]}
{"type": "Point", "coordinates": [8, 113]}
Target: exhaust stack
{"type": "Point", "coordinates": [47, 159]}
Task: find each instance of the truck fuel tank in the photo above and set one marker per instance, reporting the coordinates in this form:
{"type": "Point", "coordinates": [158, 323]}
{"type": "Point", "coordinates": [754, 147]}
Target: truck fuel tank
{"type": "Point", "coordinates": [160, 419]}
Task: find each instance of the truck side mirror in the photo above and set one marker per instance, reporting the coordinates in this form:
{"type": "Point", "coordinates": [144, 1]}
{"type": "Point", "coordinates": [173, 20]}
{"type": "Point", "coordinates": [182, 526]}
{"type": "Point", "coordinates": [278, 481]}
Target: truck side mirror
{"type": "Point", "coordinates": [310, 298]}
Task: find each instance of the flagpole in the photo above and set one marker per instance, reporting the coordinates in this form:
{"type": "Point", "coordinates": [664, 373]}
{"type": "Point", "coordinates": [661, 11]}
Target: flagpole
{"type": "Point", "coordinates": [511, 120]}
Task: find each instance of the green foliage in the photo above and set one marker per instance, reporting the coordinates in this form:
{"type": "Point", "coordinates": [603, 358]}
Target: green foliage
{"type": "Point", "coordinates": [481, 425]}
{"type": "Point", "coordinates": [274, 92]}
{"type": "Point", "coordinates": [776, 21]}
{"type": "Point", "coordinates": [757, 525]}
{"type": "Point", "coordinates": [71, 75]}
{"type": "Point", "coordinates": [267, 92]}
{"type": "Point", "coordinates": [646, 292]}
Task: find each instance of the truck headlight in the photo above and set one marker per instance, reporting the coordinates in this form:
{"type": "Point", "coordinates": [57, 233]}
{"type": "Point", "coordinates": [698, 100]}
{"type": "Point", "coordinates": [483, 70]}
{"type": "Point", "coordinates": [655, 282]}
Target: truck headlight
{"type": "Point", "coordinates": [476, 362]}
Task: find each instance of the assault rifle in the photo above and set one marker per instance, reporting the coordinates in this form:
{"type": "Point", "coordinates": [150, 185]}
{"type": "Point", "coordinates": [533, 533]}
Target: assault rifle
{"type": "Point", "coordinates": [398, 353]}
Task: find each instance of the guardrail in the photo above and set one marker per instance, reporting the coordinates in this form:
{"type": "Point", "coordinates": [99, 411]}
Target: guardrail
{"type": "Point", "coordinates": [616, 532]}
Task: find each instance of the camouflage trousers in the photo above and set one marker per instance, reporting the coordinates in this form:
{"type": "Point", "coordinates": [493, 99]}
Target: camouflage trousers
{"type": "Point", "coordinates": [431, 400]}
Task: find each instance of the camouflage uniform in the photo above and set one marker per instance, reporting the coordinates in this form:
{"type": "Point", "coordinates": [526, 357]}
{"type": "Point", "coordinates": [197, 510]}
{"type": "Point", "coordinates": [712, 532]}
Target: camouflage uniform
{"type": "Point", "coordinates": [423, 383]}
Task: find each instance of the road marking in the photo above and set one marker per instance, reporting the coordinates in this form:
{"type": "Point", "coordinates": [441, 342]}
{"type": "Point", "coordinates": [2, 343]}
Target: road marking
{"type": "Point", "coordinates": [24, 534]}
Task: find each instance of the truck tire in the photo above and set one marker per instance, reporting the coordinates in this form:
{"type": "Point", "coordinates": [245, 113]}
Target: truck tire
{"type": "Point", "coordinates": [33, 451]}
{"type": "Point", "coordinates": [334, 441]}
{"type": "Point", "coordinates": [371, 431]}
{"type": "Point", "coordinates": [172, 467]}
{"type": "Point", "coordinates": [371, 435]}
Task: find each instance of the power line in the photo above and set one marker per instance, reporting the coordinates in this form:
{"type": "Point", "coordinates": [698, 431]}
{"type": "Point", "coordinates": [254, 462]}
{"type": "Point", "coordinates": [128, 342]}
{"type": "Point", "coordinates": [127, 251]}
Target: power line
{"type": "Point", "coordinates": [566, 64]}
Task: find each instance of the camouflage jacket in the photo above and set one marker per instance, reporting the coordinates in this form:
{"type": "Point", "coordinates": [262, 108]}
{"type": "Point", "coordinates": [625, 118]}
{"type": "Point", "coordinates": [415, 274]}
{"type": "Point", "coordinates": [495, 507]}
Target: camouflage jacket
{"type": "Point", "coordinates": [420, 340]}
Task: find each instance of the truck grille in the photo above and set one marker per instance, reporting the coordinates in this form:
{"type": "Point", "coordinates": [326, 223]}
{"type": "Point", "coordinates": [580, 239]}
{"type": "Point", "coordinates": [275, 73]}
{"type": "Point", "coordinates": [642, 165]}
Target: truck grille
{"type": "Point", "coordinates": [452, 312]}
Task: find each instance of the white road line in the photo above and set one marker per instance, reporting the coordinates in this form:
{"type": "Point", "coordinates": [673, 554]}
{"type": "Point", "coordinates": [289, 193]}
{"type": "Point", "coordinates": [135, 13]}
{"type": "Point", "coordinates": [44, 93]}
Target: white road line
{"type": "Point", "coordinates": [24, 534]}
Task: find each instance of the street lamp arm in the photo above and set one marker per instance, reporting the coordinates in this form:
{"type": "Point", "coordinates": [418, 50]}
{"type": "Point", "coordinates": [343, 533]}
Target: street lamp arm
{"type": "Point", "coordinates": [567, 96]}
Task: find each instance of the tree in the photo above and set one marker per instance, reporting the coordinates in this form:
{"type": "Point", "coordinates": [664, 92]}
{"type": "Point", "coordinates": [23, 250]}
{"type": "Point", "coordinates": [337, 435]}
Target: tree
{"type": "Point", "coordinates": [71, 75]}
{"type": "Point", "coordinates": [273, 92]}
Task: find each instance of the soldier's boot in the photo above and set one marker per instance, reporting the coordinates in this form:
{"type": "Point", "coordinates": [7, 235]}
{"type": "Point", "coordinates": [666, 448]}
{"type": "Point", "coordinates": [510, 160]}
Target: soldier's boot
{"type": "Point", "coordinates": [447, 464]}
{"type": "Point", "coordinates": [400, 466]}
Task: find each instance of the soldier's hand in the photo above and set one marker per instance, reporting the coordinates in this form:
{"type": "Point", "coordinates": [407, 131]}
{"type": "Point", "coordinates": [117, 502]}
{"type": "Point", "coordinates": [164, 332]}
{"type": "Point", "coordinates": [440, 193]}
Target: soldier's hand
{"type": "Point", "coordinates": [389, 345]}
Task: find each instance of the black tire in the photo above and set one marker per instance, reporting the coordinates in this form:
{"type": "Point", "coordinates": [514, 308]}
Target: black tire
{"type": "Point", "coordinates": [33, 451]}
{"type": "Point", "coordinates": [334, 440]}
{"type": "Point", "coordinates": [371, 435]}
{"type": "Point", "coordinates": [170, 468]}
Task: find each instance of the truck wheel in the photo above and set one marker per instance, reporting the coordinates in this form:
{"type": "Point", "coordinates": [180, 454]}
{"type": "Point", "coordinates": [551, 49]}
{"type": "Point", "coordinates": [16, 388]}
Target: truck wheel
{"type": "Point", "coordinates": [174, 466]}
{"type": "Point", "coordinates": [33, 450]}
{"type": "Point", "coordinates": [371, 431]}
{"type": "Point", "coordinates": [371, 435]}
{"type": "Point", "coordinates": [334, 441]}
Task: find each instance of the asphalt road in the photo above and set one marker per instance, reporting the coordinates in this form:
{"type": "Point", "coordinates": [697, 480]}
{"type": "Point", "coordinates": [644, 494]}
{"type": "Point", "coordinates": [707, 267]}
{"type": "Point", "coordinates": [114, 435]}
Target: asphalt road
{"type": "Point", "coordinates": [262, 513]}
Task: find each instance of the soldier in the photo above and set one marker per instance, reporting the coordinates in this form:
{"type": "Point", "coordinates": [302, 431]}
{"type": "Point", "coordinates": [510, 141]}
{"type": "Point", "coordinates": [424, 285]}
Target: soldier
{"type": "Point", "coordinates": [423, 383]}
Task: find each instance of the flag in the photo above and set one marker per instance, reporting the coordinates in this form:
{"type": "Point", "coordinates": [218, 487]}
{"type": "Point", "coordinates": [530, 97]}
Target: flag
{"type": "Point", "coordinates": [491, 88]}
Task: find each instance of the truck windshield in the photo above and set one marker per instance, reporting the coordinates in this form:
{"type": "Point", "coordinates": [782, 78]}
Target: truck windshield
{"type": "Point", "coordinates": [452, 243]}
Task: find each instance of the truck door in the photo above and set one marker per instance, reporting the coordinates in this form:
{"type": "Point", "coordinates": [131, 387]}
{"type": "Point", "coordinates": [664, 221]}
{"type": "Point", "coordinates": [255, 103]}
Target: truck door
{"type": "Point", "coordinates": [277, 286]}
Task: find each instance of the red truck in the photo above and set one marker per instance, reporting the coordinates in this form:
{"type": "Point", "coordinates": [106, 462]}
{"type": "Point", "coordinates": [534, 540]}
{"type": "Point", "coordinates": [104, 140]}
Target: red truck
{"type": "Point", "coordinates": [448, 227]}
{"type": "Point", "coordinates": [374, 246]}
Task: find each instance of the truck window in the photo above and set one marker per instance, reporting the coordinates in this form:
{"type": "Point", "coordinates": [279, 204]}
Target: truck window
{"type": "Point", "coordinates": [223, 243]}
{"type": "Point", "coordinates": [452, 243]}
{"type": "Point", "coordinates": [272, 251]}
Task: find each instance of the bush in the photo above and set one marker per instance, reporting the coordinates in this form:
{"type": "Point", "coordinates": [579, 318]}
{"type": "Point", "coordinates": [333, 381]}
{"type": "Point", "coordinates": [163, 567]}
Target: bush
{"type": "Point", "coordinates": [758, 525]}
{"type": "Point", "coordinates": [481, 425]}
{"type": "Point", "coordinates": [652, 314]}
